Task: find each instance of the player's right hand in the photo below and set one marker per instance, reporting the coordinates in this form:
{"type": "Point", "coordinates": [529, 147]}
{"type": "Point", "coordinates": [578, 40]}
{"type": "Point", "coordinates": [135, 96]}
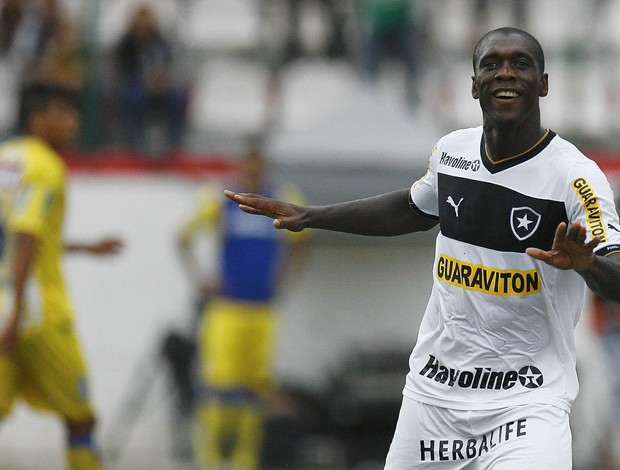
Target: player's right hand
{"type": "Point", "coordinates": [286, 216]}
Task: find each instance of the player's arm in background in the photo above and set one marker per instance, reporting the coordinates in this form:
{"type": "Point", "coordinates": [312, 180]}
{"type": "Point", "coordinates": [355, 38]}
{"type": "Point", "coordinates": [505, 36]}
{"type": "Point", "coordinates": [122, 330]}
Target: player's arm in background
{"type": "Point", "coordinates": [204, 219]}
{"type": "Point", "coordinates": [24, 249]}
{"type": "Point", "coordinates": [102, 247]}
{"type": "Point", "coordinates": [388, 214]}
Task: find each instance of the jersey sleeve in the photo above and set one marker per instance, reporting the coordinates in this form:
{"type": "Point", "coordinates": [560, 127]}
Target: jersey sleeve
{"type": "Point", "coordinates": [591, 203]}
{"type": "Point", "coordinates": [33, 202]}
{"type": "Point", "coordinates": [423, 193]}
{"type": "Point", "coordinates": [206, 212]}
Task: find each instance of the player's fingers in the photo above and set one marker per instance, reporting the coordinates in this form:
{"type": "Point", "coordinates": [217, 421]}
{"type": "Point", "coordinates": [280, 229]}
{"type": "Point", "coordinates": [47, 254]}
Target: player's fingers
{"type": "Point", "coordinates": [242, 196]}
{"type": "Point", "coordinates": [260, 203]}
{"type": "Point", "coordinates": [573, 232]}
{"type": "Point", "coordinates": [581, 236]}
{"type": "Point", "coordinates": [286, 223]}
{"type": "Point", "coordinates": [535, 253]}
{"type": "Point", "coordinates": [593, 243]}
{"type": "Point", "coordinates": [251, 210]}
{"type": "Point", "coordinates": [560, 231]}
{"type": "Point", "coordinates": [579, 233]}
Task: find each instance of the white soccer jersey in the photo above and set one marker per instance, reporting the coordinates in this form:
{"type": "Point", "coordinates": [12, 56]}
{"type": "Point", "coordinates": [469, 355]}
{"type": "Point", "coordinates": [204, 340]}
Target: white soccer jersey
{"type": "Point", "coordinates": [499, 326]}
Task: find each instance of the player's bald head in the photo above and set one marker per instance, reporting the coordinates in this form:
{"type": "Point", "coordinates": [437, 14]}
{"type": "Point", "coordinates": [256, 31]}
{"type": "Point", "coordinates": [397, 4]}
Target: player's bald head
{"type": "Point", "coordinates": [534, 46]}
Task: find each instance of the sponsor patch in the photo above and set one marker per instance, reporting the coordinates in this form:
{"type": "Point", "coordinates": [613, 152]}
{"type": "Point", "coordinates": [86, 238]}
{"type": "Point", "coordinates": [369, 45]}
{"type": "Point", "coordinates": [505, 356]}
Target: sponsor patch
{"type": "Point", "coordinates": [503, 282]}
{"type": "Point", "coordinates": [460, 163]}
{"type": "Point", "coordinates": [592, 208]}
{"type": "Point", "coordinates": [483, 378]}
{"type": "Point", "coordinates": [432, 450]}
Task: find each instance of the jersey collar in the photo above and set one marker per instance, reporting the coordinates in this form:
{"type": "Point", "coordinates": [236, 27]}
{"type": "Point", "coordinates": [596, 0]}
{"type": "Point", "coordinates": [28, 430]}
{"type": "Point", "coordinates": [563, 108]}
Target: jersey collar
{"type": "Point", "coordinates": [496, 167]}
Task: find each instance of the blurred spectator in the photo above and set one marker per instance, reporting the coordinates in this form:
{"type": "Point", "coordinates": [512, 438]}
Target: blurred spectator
{"type": "Point", "coordinates": [144, 62]}
{"type": "Point", "coordinates": [61, 64]}
{"type": "Point", "coordinates": [517, 7]}
{"type": "Point", "coordinates": [483, 15]}
{"type": "Point", "coordinates": [335, 11]}
{"type": "Point", "coordinates": [27, 27]}
{"type": "Point", "coordinates": [388, 28]}
{"type": "Point", "coordinates": [12, 12]}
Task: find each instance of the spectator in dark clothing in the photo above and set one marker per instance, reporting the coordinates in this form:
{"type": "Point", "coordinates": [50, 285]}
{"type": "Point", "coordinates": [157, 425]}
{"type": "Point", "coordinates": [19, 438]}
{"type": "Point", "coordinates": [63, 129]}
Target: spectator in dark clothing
{"type": "Point", "coordinates": [26, 30]}
{"type": "Point", "coordinates": [144, 63]}
{"type": "Point", "coordinates": [389, 30]}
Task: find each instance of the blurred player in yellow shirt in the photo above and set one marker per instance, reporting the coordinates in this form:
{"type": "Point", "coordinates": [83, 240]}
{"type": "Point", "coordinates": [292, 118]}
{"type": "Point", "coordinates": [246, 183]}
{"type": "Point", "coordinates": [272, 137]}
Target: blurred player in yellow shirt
{"type": "Point", "coordinates": [237, 335]}
{"type": "Point", "coordinates": [41, 359]}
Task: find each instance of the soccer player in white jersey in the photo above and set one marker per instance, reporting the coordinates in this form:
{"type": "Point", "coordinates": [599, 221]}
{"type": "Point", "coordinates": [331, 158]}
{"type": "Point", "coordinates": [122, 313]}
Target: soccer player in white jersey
{"type": "Point", "coordinates": [525, 218]}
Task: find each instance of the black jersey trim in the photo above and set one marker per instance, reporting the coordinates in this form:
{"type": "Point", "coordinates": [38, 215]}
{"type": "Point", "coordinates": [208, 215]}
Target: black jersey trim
{"type": "Point", "coordinates": [609, 250]}
{"type": "Point", "coordinates": [496, 217]}
{"type": "Point", "coordinates": [493, 167]}
{"type": "Point", "coordinates": [419, 211]}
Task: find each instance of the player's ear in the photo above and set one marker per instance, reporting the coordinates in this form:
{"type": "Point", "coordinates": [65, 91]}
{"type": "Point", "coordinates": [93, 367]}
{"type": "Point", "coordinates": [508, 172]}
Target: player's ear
{"type": "Point", "coordinates": [544, 85]}
{"type": "Point", "coordinates": [474, 88]}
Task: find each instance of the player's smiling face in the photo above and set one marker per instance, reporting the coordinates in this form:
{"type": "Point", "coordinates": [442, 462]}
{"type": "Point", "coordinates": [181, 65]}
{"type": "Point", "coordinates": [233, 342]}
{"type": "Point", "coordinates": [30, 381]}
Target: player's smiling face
{"type": "Point", "coordinates": [508, 80]}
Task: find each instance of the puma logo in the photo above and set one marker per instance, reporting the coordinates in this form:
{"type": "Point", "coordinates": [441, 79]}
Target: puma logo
{"type": "Point", "coordinates": [453, 204]}
{"type": "Point", "coordinates": [612, 227]}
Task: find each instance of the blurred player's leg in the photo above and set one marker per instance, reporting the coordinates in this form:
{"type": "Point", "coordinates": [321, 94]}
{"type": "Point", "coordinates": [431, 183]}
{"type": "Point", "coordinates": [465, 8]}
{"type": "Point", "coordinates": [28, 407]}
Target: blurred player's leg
{"type": "Point", "coordinates": [8, 387]}
{"type": "Point", "coordinates": [250, 439]}
{"type": "Point", "coordinates": [55, 379]}
{"type": "Point", "coordinates": [235, 357]}
{"type": "Point", "coordinates": [81, 454]}
{"type": "Point", "coordinates": [214, 428]}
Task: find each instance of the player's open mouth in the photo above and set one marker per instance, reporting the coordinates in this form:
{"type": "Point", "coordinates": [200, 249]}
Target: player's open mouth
{"type": "Point", "coordinates": [505, 94]}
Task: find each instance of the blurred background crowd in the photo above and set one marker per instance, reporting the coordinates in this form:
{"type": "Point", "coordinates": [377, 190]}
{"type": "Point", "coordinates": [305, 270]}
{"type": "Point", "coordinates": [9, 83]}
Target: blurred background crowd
{"type": "Point", "coordinates": [209, 72]}
{"type": "Point", "coordinates": [347, 98]}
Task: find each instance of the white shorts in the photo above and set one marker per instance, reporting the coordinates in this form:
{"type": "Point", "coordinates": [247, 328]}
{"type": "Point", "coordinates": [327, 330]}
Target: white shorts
{"type": "Point", "coordinates": [528, 437]}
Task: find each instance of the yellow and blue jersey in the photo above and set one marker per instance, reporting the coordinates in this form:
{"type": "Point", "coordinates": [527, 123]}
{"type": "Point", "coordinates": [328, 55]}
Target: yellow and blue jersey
{"type": "Point", "coordinates": [32, 201]}
{"type": "Point", "coordinates": [251, 249]}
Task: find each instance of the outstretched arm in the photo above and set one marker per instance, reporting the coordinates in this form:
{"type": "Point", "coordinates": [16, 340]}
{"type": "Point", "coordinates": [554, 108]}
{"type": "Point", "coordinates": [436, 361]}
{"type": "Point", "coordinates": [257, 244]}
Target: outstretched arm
{"type": "Point", "coordinates": [105, 246]}
{"type": "Point", "coordinates": [384, 215]}
{"type": "Point", "coordinates": [569, 251]}
{"type": "Point", "coordinates": [205, 287]}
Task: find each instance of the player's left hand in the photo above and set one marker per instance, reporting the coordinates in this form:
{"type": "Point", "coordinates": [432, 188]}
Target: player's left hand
{"type": "Point", "coordinates": [569, 250]}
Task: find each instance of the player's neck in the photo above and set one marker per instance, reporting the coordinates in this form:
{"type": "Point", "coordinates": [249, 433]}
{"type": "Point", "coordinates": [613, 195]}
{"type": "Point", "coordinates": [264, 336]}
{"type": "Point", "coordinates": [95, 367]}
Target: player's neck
{"type": "Point", "coordinates": [43, 137]}
{"type": "Point", "coordinates": [502, 144]}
